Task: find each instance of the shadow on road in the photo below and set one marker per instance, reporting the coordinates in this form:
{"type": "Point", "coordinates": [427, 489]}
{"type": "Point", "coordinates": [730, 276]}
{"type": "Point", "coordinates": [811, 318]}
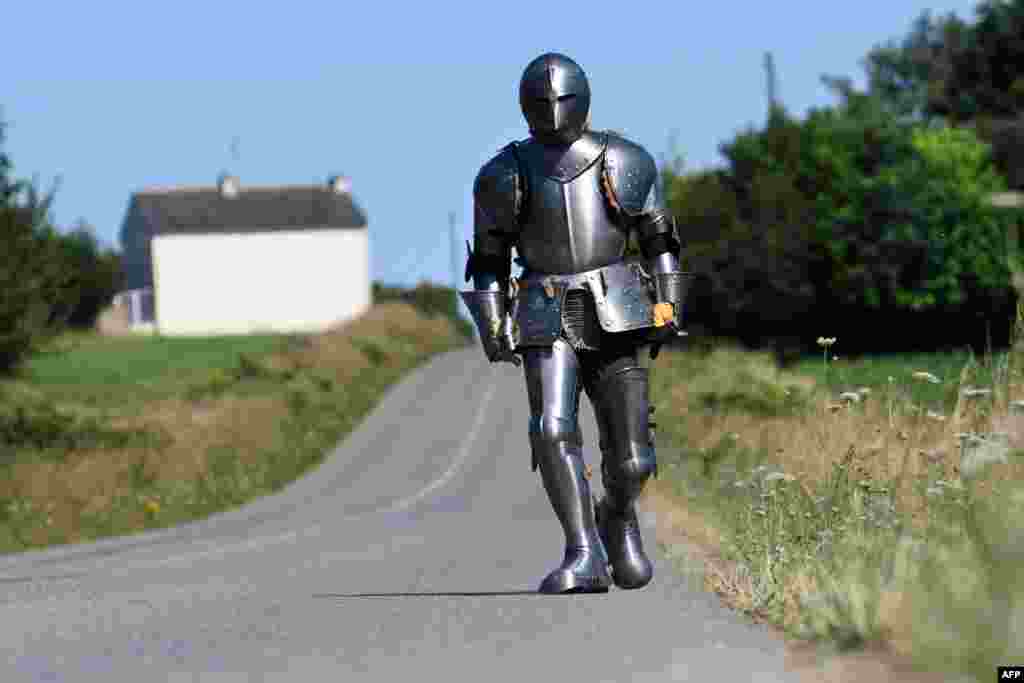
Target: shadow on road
{"type": "Point", "coordinates": [462, 594]}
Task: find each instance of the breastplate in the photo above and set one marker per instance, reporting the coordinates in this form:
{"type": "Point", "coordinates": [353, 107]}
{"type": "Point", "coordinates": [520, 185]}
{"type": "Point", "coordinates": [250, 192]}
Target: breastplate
{"type": "Point", "coordinates": [565, 223]}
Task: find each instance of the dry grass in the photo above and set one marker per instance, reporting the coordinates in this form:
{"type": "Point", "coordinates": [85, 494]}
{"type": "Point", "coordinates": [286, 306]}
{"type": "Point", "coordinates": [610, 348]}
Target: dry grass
{"type": "Point", "coordinates": [241, 432]}
{"type": "Point", "coordinates": [749, 451]}
{"type": "Point", "coordinates": [682, 526]}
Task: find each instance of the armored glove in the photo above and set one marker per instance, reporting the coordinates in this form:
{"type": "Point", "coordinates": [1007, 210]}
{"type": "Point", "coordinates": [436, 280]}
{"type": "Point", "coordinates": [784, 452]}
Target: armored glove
{"type": "Point", "coordinates": [488, 308]}
{"type": "Point", "coordinates": [670, 293]}
{"type": "Point", "coordinates": [498, 347]}
{"type": "Point", "coordinates": [664, 316]}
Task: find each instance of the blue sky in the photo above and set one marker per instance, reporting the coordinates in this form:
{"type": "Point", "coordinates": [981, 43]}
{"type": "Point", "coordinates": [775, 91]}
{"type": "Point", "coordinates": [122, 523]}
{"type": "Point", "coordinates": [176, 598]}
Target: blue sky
{"type": "Point", "coordinates": [406, 99]}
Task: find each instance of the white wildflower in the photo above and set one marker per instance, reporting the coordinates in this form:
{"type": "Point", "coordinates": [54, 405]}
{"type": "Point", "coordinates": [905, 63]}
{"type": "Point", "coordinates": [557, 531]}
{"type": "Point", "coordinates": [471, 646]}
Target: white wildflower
{"type": "Point", "coordinates": [774, 476]}
{"type": "Point", "coordinates": [971, 392]}
{"type": "Point", "coordinates": [851, 396]}
{"type": "Point", "coordinates": [927, 376]}
{"type": "Point", "coordinates": [979, 453]}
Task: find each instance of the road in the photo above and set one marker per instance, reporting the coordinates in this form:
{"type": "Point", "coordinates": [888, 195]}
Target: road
{"type": "Point", "coordinates": [412, 553]}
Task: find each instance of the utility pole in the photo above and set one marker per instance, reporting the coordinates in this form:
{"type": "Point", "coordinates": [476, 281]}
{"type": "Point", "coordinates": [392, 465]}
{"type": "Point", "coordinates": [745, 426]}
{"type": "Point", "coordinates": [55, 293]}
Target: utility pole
{"type": "Point", "coordinates": [455, 259]}
{"type": "Point", "coordinates": [771, 82]}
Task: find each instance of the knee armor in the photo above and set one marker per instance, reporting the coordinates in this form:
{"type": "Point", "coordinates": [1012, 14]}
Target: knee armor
{"type": "Point", "coordinates": [547, 431]}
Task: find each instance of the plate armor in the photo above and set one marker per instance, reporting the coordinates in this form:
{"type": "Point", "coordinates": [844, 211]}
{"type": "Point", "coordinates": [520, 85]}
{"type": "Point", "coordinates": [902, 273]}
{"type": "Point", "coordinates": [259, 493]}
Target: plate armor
{"type": "Point", "coordinates": [568, 200]}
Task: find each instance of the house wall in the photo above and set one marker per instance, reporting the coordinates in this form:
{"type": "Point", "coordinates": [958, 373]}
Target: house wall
{"type": "Point", "coordinates": [283, 281]}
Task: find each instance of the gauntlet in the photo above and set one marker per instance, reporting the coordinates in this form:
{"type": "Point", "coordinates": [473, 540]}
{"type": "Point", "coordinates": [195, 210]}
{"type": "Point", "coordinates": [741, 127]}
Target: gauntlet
{"type": "Point", "coordinates": [489, 311]}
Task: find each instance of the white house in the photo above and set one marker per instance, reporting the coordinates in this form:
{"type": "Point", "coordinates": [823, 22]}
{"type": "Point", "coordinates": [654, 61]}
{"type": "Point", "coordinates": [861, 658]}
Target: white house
{"type": "Point", "coordinates": [230, 259]}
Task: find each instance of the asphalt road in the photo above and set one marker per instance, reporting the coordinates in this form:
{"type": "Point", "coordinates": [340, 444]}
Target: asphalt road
{"type": "Point", "coordinates": [411, 554]}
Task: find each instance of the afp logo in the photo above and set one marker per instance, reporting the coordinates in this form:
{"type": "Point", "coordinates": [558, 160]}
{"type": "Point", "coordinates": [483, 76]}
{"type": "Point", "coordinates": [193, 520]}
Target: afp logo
{"type": "Point", "coordinates": [1011, 673]}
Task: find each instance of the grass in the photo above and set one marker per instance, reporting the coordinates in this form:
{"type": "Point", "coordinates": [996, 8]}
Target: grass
{"type": "Point", "coordinates": [102, 437]}
{"type": "Point", "coordinates": [87, 368]}
{"type": "Point", "coordinates": [856, 509]}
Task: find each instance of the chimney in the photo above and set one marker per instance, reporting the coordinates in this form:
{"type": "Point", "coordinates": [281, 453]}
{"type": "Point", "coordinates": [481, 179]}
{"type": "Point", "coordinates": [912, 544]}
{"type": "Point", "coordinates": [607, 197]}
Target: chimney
{"type": "Point", "coordinates": [228, 185]}
{"type": "Point", "coordinates": [339, 184]}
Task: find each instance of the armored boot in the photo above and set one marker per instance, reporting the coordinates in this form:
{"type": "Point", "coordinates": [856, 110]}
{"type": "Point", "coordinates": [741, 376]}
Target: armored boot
{"type": "Point", "coordinates": [620, 532]}
{"type": "Point", "coordinates": [584, 568]}
{"type": "Point", "coordinates": [628, 461]}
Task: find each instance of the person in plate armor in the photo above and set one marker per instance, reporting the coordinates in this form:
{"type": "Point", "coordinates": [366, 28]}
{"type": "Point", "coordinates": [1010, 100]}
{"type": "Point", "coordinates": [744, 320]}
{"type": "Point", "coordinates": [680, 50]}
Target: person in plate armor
{"type": "Point", "coordinates": [568, 199]}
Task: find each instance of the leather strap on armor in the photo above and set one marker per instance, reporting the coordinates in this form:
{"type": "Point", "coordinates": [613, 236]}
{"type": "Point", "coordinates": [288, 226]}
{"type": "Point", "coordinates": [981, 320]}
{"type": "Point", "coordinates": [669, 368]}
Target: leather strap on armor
{"type": "Point", "coordinates": [653, 243]}
{"type": "Point", "coordinates": [478, 263]}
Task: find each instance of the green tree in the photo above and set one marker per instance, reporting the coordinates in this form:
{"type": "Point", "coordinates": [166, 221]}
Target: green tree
{"type": "Point", "coordinates": [30, 267]}
{"type": "Point", "coordinates": [93, 276]}
{"type": "Point", "coordinates": [965, 73]}
{"type": "Point", "coordinates": [986, 88]}
{"type": "Point", "coordinates": [987, 76]}
{"type": "Point", "coordinates": [845, 221]}
{"type": "Point", "coordinates": [967, 265]}
{"type": "Point", "coordinates": [910, 75]}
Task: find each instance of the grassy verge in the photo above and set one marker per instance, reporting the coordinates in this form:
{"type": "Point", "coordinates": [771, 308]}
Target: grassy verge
{"type": "Point", "coordinates": [102, 437]}
{"type": "Point", "coordinates": [870, 503]}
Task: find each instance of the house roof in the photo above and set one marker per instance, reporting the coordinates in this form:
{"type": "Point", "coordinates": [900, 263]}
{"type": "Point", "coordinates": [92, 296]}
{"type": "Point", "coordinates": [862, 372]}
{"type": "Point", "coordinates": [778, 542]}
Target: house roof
{"type": "Point", "coordinates": [252, 209]}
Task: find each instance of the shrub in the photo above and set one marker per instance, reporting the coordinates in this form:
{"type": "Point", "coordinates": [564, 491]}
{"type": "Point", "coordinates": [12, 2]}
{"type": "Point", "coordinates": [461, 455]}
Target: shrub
{"type": "Point", "coordinates": [37, 424]}
{"type": "Point", "coordinates": [429, 299]}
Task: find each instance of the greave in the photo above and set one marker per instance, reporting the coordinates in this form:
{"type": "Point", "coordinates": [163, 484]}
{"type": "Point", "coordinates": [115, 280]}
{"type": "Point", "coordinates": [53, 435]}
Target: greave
{"type": "Point", "coordinates": [584, 568]}
{"type": "Point", "coordinates": [628, 460]}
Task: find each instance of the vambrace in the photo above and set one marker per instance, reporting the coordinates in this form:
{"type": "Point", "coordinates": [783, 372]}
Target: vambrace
{"type": "Point", "coordinates": [489, 265]}
{"type": "Point", "coordinates": [656, 226]}
{"type": "Point", "coordinates": [670, 283]}
{"type": "Point", "coordinates": [662, 254]}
